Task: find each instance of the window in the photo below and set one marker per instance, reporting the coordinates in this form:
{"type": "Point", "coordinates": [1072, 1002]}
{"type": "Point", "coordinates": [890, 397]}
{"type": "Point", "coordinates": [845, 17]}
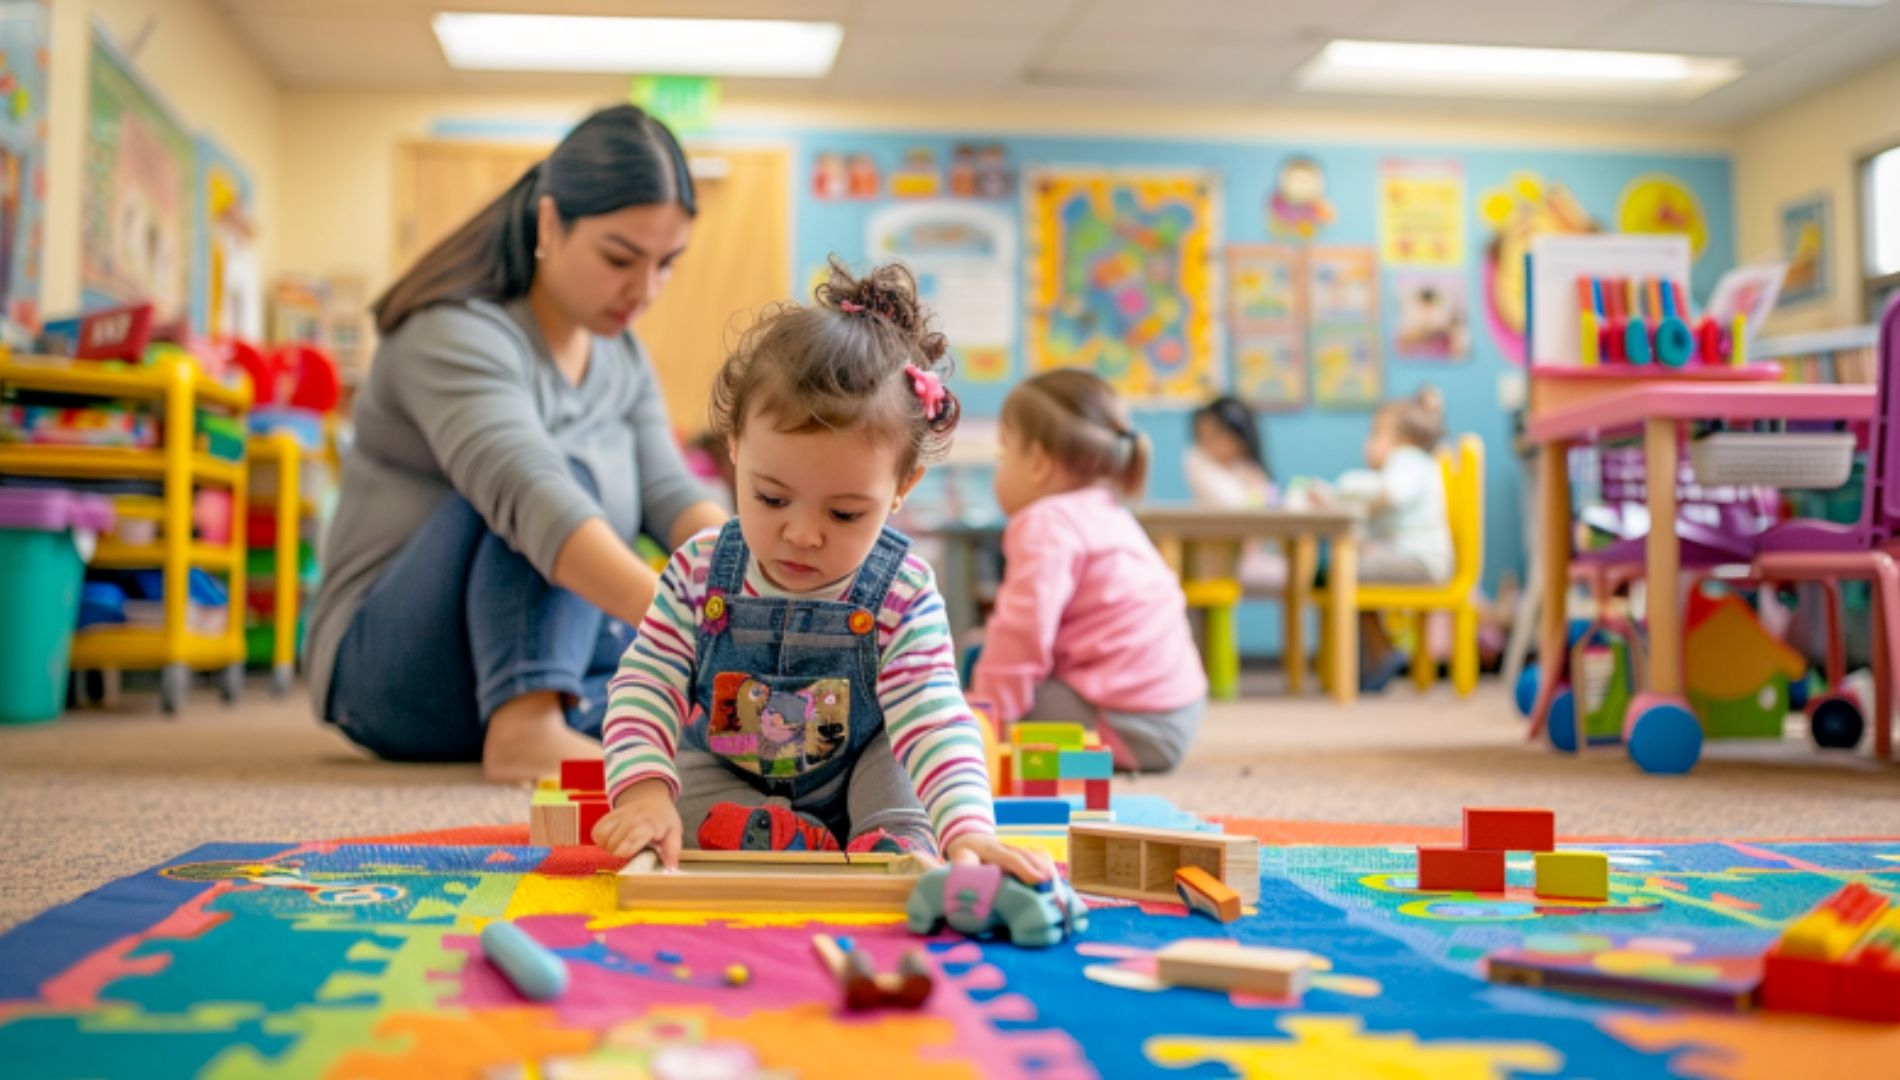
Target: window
{"type": "Point", "coordinates": [1880, 201]}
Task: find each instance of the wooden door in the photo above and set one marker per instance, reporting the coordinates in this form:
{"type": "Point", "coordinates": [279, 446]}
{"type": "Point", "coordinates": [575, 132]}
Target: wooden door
{"type": "Point", "coordinates": [737, 260]}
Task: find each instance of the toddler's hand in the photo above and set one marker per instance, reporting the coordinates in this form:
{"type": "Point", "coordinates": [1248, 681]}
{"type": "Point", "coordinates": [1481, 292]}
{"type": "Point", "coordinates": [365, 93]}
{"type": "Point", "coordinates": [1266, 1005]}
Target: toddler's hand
{"type": "Point", "coordinates": [643, 817]}
{"type": "Point", "coordinates": [1030, 866]}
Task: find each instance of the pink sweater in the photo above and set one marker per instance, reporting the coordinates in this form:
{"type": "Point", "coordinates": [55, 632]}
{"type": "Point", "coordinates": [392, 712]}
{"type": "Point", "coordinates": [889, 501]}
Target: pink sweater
{"type": "Point", "coordinates": [1087, 600]}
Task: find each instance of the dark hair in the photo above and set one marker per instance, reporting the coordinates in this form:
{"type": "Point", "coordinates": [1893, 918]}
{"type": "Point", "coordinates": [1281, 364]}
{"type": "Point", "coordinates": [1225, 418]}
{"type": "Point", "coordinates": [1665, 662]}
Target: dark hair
{"type": "Point", "coordinates": [843, 363]}
{"type": "Point", "coordinates": [616, 158]}
{"type": "Point", "coordinates": [1074, 416]}
{"type": "Point", "coordinates": [1235, 418]}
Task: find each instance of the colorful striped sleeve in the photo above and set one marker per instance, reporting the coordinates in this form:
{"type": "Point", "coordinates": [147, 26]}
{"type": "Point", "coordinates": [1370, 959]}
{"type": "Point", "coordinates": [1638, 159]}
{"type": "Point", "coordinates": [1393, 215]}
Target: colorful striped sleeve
{"type": "Point", "coordinates": [932, 729]}
{"type": "Point", "coordinates": [650, 698]}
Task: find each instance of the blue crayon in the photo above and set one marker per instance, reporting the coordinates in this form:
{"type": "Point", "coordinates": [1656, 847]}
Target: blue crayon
{"type": "Point", "coordinates": [537, 973]}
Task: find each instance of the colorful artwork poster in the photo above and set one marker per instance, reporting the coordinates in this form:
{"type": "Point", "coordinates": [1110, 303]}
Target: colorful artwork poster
{"type": "Point", "coordinates": [1298, 208]}
{"type": "Point", "coordinates": [1657, 204]}
{"type": "Point", "coordinates": [1422, 213]}
{"type": "Point", "coordinates": [1266, 306]}
{"type": "Point", "coordinates": [964, 257]}
{"type": "Point", "coordinates": [1805, 243]}
{"type": "Point", "coordinates": [1433, 321]}
{"type": "Point", "coordinates": [227, 297]}
{"type": "Point", "coordinates": [135, 242]}
{"type": "Point", "coordinates": [1525, 206]}
{"type": "Point", "coordinates": [23, 74]}
{"type": "Point", "coordinates": [1122, 280]}
{"type": "Point", "coordinates": [1343, 326]}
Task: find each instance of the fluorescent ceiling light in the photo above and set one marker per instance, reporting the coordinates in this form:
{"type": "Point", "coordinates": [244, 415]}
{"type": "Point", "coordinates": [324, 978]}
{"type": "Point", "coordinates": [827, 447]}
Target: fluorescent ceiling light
{"type": "Point", "coordinates": [621, 46]}
{"type": "Point", "coordinates": [1394, 67]}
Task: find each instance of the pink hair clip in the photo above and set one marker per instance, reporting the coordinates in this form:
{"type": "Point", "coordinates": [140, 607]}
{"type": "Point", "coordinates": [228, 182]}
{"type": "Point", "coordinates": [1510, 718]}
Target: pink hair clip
{"type": "Point", "coordinates": [929, 390]}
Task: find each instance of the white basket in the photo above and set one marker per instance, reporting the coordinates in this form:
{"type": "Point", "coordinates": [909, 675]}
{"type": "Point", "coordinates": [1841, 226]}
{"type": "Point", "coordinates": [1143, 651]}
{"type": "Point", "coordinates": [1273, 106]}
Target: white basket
{"type": "Point", "coordinates": [1777, 459]}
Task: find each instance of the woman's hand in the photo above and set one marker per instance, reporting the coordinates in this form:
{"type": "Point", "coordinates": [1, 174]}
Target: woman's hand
{"type": "Point", "coordinates": [1030, 866]}
{"type": "Point", "coordinates": [644, 816]}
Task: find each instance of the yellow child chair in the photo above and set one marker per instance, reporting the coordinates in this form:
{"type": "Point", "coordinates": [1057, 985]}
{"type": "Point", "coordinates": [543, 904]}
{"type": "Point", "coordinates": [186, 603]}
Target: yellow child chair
{"type": "Point", "coordinates": [1464, 505]}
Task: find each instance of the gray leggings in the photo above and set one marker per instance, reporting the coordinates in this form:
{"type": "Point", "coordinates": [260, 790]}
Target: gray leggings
{"type": "Point", "coordinates": [1143, 742]}
{"type": "Point", "coordinates": [877, 795]}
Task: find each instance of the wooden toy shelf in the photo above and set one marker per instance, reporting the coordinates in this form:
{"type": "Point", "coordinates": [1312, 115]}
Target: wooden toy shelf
{"type": "Point", "coordinates": [179, 388]}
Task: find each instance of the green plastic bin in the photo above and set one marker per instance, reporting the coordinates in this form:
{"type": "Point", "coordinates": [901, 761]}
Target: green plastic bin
{"type": "Point", "coordinates": [41, 570]}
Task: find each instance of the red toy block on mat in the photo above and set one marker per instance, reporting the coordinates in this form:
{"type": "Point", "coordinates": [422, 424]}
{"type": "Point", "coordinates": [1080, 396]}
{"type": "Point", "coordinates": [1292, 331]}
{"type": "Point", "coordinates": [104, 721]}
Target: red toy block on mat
{"type": "Point", "coordinates": [584, 775]}
{"type": "Point", "coordinates": [592, 810]}
{"type": "Point", "coordinates": [1501, 829]}
{"type": "Point", "coordinates": [1460, 869]}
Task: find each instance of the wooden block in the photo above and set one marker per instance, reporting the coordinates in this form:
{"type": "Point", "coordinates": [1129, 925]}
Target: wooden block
{"type": "Point", "coordinates": [588, 775]}
{"type": "Point", "coordinates": [1510, 829]}
{"type": "Point", "coordinates": [1096, 797]}
{"type": "Point", "coordinates": [1039, 789]}
{"type": "Point", "coordinates": [1038, 762]}
{"type": "Point", "coordinates": [1086, 764]}
{"type": "Point", "coordinates": [1061, 736]}
{"type": "Point", "coordinates": [1460, 869]}
{"type": "Point", "coordinates": [1223, 965]}
{"type": "Point", "coordinates": [1139, 864]}
{"type": "Point", "coordinates": [1203, 892]}
{"type": "Point", "coordinates": [776, 881]}
{"type": "Point", "coordinates": [1573, 875]}
{"type": "Point", "coordinates": [591, 812]}
{"type": "Point", "coordinates": [1032, 811]}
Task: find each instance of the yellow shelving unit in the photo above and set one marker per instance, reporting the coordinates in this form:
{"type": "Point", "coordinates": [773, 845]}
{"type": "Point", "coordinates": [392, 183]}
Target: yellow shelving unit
{"type": "Point", "coordinates": [179, 387]}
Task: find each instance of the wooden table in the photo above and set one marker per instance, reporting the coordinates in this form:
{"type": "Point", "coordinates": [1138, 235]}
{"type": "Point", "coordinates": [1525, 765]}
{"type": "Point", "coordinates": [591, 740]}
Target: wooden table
{"type": "Point", "coordinates": [1658, 409]}
{"type": "Point", "coordinates": [1207, 538]}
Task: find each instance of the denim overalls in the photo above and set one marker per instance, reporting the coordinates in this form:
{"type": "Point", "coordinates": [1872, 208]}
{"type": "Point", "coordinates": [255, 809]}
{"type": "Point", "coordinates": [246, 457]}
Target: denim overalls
{"type": "Point", "coordinates": [787, 689]}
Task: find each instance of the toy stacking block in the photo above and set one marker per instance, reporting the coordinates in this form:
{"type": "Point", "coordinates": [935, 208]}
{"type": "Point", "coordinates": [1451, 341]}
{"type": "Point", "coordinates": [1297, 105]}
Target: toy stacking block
{"type": "Point", "coordinates": [1460, 869]}
{"type": "Point", "coordinates": [1038, 789]}
{"type": "Point", "coordinates": [1086, 764]}
{"type": "Point", "coordinates": [1501, 829]}
{"type": "Point", "coordinates": [1207, 894]}
{"type": "Point", "coordinates": [1061, 736]}
{"type": "Point", "coordinates": [1097, 795]}
{"type": "Point", "coordinates": [1573, 875]}
{"type": "Point", "coordinates": [1038, 762]}
{"type": "Point", "coordinates": [1032, 812]}
{"type": "Point", "coordinates": [584, 775]}
{"type": "Point", "coordinates": [1223, 965]}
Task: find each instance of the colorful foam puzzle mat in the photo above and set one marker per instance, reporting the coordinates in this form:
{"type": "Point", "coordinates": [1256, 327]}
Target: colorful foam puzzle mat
{"type": "Point", "coordinates": [360, 958]}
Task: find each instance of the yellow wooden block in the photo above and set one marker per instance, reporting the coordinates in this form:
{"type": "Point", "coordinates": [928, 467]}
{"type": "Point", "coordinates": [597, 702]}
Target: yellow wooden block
{"type": "Point", "coordinates": [1573, 875]}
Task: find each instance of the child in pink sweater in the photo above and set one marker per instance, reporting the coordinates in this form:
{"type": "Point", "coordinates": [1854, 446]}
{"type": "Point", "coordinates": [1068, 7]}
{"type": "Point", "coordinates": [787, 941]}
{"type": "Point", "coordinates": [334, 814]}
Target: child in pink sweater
{"type": "Point", "coordinates": [1090, 625]}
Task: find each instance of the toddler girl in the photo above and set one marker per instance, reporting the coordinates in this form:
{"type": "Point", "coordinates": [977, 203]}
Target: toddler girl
{"type": "Point", "coordinates": [1090, 625]}
{"type": "Point", "coordinates": [793, 685]}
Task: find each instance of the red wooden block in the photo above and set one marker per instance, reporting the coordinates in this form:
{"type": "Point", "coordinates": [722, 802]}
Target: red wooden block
{"type": "Point", "coordinates": [1798, 984]}
{"type": "Point", "coordinates": [592, 810]}
{"type": "Point", "coordinates": [1038, 789]}
{"type": "Point", "coordinates": [584, 775]}
{"type": "Point", "coordinates": [1097, 795]}
{"type": "Point", "coordinates": [1504, 829]}
{"type": "Point", "coordinates": [1446, 867]}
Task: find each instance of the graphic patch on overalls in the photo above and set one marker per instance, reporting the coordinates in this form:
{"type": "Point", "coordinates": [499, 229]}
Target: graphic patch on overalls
{"type": "Point", "coordinates": [778, 727]}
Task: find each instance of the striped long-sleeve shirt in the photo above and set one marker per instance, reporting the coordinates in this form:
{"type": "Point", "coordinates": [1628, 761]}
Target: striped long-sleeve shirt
{"type": "Point", "coordinates": [931, 728]}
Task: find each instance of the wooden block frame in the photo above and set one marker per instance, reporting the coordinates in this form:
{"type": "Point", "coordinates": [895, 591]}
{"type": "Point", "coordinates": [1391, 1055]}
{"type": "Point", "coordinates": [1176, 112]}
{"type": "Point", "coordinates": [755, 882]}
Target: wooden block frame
{"type": "Point", "coordinates": [748, 881]}
{"type": "Point", "coordinates": [1139, 864]}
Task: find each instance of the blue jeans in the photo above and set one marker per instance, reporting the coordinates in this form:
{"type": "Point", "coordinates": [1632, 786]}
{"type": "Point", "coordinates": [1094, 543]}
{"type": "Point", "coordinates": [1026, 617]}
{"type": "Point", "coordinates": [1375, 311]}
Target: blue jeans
{"type": "Point", "coordinates": [457, 626]}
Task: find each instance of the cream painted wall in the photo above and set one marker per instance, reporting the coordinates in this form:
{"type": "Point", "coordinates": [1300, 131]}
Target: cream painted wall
{"type": "Point", "coordinates": [336, 167]}
{"type": "Point", "coordinates": [1814, 145]}
{"type": "Point", "coordinates": [198, 64]}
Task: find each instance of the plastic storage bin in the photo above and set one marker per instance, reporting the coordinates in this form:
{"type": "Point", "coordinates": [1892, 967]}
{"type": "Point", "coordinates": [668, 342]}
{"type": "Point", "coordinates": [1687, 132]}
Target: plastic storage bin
{"type": "Point", "coordinates": [41, 568]}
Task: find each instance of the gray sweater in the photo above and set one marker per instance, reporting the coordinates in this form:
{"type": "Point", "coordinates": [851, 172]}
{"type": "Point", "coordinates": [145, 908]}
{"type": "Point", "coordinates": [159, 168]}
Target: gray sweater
{"type": "Point", "coordinates": [465, 399]}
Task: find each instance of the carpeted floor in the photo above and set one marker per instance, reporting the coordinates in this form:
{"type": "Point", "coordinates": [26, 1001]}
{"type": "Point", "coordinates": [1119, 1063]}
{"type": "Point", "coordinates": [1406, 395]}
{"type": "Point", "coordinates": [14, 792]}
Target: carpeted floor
{"type": "Point", "coordinates": [98, 795]}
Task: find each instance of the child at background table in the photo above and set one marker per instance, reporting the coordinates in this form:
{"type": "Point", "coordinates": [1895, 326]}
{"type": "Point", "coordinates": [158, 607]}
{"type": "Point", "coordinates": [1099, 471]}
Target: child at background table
{"type": "Point", "coordinates": [1226, 467]}
{"type": "Point", "coordinates": [1090, 625]}
{"type": "Point", "coordinates": [1408, 530]}
{"type": "Point", "coordinates": [793, 686]}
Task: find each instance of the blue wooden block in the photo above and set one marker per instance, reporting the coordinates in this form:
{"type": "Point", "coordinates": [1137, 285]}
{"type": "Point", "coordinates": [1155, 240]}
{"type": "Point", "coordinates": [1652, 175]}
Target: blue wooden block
{"type": "Point", "coordinates": [1087, 765]}
{"type": "Point", "coordinates": [1032, 811]}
